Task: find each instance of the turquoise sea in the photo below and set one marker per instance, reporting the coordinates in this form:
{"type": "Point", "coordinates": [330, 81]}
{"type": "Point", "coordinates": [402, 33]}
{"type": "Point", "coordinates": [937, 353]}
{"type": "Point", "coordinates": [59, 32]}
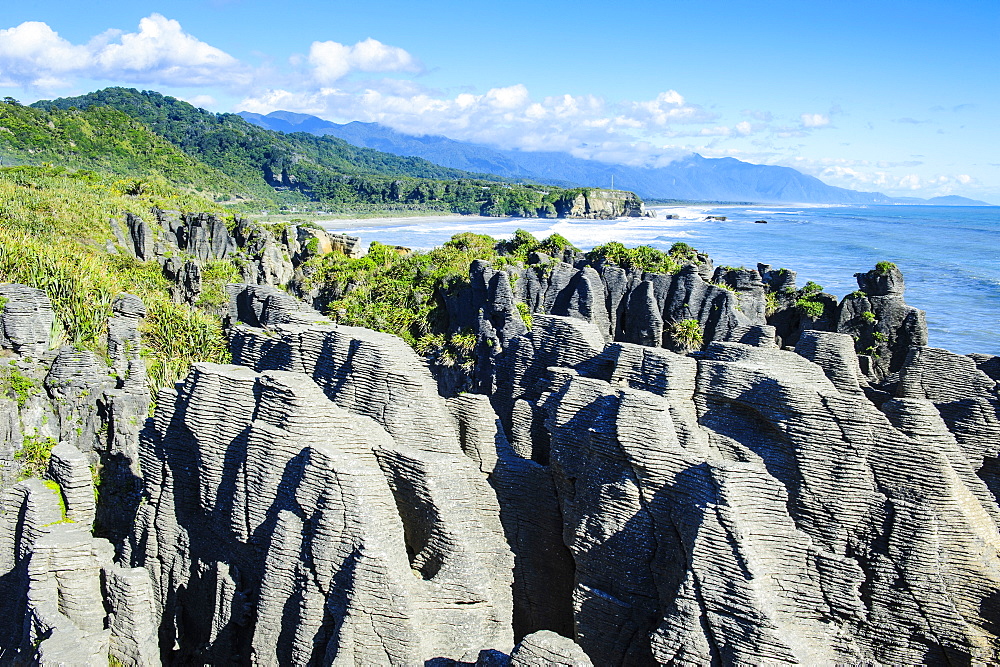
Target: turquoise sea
{"type": "Point", "coordinates": [949, 256]}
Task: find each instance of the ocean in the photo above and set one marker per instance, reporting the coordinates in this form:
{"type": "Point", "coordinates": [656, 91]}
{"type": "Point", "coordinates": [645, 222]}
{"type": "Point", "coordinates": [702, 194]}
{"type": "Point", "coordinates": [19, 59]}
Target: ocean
{"type": "Point", "coordinates": [949, 256]}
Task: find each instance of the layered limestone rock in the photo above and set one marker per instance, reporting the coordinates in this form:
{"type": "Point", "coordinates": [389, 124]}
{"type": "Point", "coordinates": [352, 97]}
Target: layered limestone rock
{"type": "Point", "coordinates": [967, 400]}
{"type": "Point", "coordinates": [752, 507]}
{"type": "Point", "coordinates": [884, 326]}
{"type": "Point", "coordinates": [62, 599]}
{"type": "Point", "coordinates": [263, 491]}
{"type": "Point", "coordinates": [26, 319]}
{"type": "Point", "coordinates": [629, 306]}
{"type": "Point", "coordinates": [600, 204]}
{"type": "Point", "coordinates": [603, 499]}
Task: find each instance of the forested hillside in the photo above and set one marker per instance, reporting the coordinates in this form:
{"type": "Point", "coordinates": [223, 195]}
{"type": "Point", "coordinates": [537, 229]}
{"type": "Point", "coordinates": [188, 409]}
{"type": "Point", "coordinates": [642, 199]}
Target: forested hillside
{"type": "Point", "coordinates": [106, 140]}
{"type": "Point", "coordinates": [299, 168]}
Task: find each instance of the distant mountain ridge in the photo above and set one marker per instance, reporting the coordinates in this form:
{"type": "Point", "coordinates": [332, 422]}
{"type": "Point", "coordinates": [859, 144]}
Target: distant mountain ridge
{"type": "Point", "coordinates": [692, 178]}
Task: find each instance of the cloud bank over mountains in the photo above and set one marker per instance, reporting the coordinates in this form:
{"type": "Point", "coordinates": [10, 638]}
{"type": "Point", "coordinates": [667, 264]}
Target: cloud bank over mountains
{"type": "Point", "coordinates": [375, 82]}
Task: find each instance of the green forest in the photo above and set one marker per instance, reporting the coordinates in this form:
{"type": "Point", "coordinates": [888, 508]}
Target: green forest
{"type": "Point", "coordinates": [147, 135]}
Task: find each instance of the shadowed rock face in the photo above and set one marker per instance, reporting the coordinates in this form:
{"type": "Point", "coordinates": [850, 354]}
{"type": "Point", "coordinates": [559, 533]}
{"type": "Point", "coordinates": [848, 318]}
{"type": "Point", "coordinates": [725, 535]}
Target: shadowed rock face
{"type": "Point", "coordinates": [288, 527]}
{"type": "Point", "coordinates": [600, 501]}
{"type": "Point", "coordinates": [750, 506]}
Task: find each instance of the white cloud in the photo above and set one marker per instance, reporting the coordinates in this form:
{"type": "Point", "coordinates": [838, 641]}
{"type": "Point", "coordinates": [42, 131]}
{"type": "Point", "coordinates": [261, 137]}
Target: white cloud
{"type": "Point", "coordinates": [720, 131]}
{"type": "Point", "coordinates": [332, 60]}
{"type": "Point", "coordinates": [667, 108]}
{"type": "Point", "coordinates": [815, 120]}
{"type": "Point", "coordinates": [161, 52]}
{"type": "Point", "coordinates": [586, 125]}
{"type": "Point", "coordinates": [34, 55]}
{"type": "Point", "coordinates": [203, 101]}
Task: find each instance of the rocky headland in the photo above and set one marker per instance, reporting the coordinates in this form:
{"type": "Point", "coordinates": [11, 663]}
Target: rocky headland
{"type": "Point", "coordinates": [708, 465]}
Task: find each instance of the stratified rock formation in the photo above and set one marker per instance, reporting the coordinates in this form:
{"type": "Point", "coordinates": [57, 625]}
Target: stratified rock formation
{"type": "Point", "coordinates": [811, 484]}
{"type": "Point", "coordinates": [598, 204]}
{"type": "Point", "coordinates": [745, 506]}
{"type": "Point", "coordinates": [328, 472]}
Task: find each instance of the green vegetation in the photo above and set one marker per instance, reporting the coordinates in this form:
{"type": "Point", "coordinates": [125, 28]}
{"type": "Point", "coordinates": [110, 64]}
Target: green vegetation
{"type": "Point", "coordinates": [16, 385]}
{"type": "Point", "coordinates": [106, 140]}
{"type": "Point", "coordinates": [645, 258]}
{"type": "Point", "coordinates": [56, 489]}
{"type": "Point", "coordinates": [525, 312]}
{"type": "Point", "coordinates": [34, 455]}
{"type": "Point", "coordinates": [858, 294]}
{"type": "Point", "coordinates": [868, 316]}
{"type": "Point", "coordinates": [268, 169]}
{"type": "Point", "coordinates": [811, 289]}
{"type": "Point", "coordinates": [807, 303]}
{"type": "Point", "coordinates": [687, 333]}
{"type": "Point", "coordinates": [806, 306]}
{"type": "Point", "coordinates": [771, 304]}
{"type": "Point", "coordinates": [53, 230]}
{"type": "Point", "coordinates": [523, 244]}
{"type": "Point", "coordinates": [880, 337]}
{"type": "Point", "coordinates": [883, 267]}
{"type": "Point", "coordinates": [397, 293]}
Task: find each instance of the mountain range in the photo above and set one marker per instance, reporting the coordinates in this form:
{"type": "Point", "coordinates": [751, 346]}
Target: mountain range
{"type": "Point", "coordinates": [690, 178]}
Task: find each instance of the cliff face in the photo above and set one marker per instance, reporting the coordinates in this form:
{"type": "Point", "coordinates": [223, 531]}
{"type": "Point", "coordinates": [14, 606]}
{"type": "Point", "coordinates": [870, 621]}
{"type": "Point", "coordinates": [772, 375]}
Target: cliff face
{"type": "Point", "coordinates": [605, 495]}
{"type": "Point", "coordinates": [601, 205]}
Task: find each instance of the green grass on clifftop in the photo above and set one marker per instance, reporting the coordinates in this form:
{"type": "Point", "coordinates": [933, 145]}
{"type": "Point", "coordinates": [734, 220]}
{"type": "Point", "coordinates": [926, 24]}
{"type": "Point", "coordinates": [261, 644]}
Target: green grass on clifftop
{"type": "Point", "coordinates": [53, 231]}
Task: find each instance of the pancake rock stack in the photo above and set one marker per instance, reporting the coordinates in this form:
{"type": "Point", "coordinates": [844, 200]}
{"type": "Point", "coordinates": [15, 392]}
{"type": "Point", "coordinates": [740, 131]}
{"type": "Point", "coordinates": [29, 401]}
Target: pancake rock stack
{"type": "Point", "coordinates": [750, 505]}
{"type": "Point", "coordinates": [315, 505]}
{"type": "Point", "coordinates": [604, 497]}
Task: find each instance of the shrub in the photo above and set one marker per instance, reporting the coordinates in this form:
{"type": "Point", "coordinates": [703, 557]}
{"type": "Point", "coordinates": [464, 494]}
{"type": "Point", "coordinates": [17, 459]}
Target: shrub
{"type": "Point", "coordinates": [34, 455]}
{"type": "Point", "coordinates": [687, 333]}
{"type": "Point", "coordinates": [811, 288]}
{"type": "Point", "coordinates": [645, 258]}
{"type": "Point", "coordinates": [810, 307]}
{"type": "Point", "coordinates": [884, 267]}
{"type": "Point", "coordinates": [868, 316]}
{"type": "Point", "coordinates": [772, 304]}
{"type": "Point", "coordinates": [16, 385]}
{"type": "Point", "coordinates": [525, 312]}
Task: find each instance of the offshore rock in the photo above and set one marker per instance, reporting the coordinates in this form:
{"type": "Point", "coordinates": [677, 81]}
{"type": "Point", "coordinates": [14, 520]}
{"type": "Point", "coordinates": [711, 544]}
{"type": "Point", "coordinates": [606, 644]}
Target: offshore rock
{"type": "Point", "coordinates": [26, 319]}
{"type": "Point", "coordinates": [599, 204]}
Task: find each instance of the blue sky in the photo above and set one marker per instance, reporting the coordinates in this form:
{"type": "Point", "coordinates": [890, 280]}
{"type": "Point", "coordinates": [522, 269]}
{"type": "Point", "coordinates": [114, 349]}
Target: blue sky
{"type": "Point", "coordinates": [899, 97]}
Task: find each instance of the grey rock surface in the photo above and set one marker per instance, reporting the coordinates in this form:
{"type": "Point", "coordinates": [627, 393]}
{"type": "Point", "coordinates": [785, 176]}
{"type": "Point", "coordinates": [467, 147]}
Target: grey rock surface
{"type": "Point", "coordinates": [547, 648]}
{"type": "Point", "coordinates": [705, 523]}
{"type": "Point", "coordinates": [26, 319]}
{"type": "Point", "coordinates": [277, 493]}
{"type": "Point", "coordinates": [884, 326]}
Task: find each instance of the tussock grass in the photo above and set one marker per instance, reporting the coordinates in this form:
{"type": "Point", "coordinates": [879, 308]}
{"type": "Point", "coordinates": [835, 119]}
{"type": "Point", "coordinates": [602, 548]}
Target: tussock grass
{"type": "Point", "coordinates": [53, 231]}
